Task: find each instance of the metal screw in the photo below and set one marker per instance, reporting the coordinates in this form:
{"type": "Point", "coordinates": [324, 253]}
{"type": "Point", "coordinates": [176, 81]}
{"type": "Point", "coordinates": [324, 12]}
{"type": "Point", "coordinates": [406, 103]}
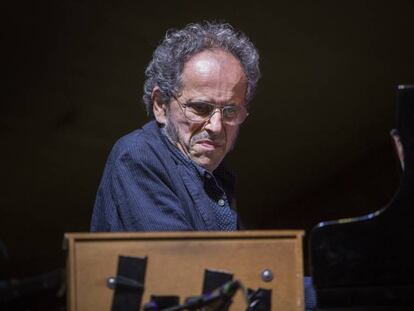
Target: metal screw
{"type": "Point", "coordinates": [111, 282]}
{"type": "Point", "coordinates": [267, 275]}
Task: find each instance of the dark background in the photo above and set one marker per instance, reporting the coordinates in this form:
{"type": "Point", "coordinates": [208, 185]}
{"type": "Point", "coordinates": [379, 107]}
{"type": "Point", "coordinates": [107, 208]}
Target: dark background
{"type": "Point", "coordinates": [316, 145]}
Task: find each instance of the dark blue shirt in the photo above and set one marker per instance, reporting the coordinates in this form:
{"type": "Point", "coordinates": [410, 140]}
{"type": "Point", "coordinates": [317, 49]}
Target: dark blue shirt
{"type": "Point", "coordinates": [149, 185]}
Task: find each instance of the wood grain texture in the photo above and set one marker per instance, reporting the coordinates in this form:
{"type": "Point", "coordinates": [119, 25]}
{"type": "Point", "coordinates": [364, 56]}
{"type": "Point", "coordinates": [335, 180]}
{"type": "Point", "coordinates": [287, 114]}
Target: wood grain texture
{"type": "Point", "coordinates": [177, 260]}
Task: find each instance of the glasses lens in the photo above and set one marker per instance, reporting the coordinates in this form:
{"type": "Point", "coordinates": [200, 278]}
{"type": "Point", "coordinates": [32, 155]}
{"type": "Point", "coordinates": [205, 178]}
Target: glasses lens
{"type": "Point", "coordinates": [198, 111]}
{"type": "Point", "coordinates": [234, 115]}
{"type": "Point", "coordinates": [231, 112]}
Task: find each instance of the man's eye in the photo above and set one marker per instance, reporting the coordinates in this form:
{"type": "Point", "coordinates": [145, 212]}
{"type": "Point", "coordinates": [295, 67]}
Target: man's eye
{"type": "Point", "coordinates": [199, 108]}
{"type": "Point", "coordinates": [230, 111]}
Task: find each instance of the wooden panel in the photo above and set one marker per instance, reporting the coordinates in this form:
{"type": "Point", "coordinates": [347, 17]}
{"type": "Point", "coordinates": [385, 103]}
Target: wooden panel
{"type": "Point", "coordinates": [176, 264]}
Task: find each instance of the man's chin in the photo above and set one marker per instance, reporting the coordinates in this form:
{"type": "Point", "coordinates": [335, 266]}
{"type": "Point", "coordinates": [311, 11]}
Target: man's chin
{"type": "Point", "coordinates": [209, 163]}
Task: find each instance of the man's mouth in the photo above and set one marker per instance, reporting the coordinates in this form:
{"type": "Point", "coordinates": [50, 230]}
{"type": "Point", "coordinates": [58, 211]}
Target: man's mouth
{"type": "Point", "coordinates": [209, 144]}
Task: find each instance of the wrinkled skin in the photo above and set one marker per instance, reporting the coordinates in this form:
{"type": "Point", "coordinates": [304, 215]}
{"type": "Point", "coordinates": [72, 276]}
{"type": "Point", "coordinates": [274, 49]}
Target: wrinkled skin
{"type": "Point", "coordinates": [213, 76]}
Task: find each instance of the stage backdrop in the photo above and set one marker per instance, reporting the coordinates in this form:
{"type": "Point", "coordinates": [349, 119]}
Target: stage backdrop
{"type": "Point", "coordinates": [315, 147]}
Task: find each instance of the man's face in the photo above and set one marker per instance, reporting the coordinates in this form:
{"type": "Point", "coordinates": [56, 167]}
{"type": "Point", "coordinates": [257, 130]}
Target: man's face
{"type": "Point", "coordinates": [216, 77]}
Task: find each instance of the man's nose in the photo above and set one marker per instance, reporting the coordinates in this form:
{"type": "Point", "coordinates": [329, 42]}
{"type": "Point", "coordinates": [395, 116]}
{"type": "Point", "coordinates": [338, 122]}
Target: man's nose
{"type": "Point", "coordinates": [215, 123]}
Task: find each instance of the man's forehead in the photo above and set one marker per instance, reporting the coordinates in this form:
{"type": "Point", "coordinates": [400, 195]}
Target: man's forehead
{"type": "Point", "coordinates": [203, 66]}
{"type": "Point", "coordinates": [210, 61]}
{"type": "Point", "coordinates": [214, 69]}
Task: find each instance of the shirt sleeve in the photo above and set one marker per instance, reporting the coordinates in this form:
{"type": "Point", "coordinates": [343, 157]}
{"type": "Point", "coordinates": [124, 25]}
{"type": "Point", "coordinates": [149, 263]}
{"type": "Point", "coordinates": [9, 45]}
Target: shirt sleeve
{"type": "Point", "coordinates": [136, 194]}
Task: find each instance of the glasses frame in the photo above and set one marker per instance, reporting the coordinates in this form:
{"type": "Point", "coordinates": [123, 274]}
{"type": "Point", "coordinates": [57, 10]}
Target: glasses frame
{"type": "Point", "coordinates": [184, 106]}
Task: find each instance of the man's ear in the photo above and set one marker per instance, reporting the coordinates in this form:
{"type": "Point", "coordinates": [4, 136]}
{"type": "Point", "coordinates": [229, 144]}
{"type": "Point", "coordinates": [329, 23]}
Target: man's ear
{"type": "Point", "coordinates": [398, 146]}
{"type": "Point", "coordinates": [159, 107]}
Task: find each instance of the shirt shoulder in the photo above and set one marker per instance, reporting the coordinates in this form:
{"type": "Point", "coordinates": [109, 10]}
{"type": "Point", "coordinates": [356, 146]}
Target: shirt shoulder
{"type": "Point", "coordinates": [143, 145]}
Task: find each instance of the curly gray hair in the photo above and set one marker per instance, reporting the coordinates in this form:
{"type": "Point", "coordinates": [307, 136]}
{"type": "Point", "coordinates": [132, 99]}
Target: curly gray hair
{"type": "Point", "coordinates": [179, 46]}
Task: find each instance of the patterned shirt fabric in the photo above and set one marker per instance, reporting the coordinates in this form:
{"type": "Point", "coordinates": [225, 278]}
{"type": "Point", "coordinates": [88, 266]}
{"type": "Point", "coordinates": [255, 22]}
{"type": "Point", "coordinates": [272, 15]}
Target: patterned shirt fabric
{"type": "Point", "coordinates": [149, 185]}
{"type": "Point", "coordinates": [226, 217]}
{"type": "Point", "coordinates": [310, 294]}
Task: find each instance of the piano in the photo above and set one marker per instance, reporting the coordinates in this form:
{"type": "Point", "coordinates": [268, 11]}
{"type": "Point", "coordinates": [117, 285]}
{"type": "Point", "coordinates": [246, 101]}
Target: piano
{"type": "Point", "coordinates": [367, 263]}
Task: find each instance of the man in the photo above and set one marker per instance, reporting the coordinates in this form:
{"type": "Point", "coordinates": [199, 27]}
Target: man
{"type": "Point", "coordinates": [403, 134]}
{"type": "Point", "coordinates": [170, 175]}
{"type": "Point", "coordinates": [370, 254]}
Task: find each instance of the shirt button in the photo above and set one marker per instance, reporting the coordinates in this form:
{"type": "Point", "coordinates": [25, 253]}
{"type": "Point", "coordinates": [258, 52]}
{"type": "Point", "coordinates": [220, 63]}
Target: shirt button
{"type": "Point", "coordinates": [221, 202]}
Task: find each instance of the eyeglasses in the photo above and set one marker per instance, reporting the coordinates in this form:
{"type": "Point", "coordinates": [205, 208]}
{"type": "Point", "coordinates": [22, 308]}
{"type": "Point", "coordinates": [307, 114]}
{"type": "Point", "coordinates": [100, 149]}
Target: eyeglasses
{"type": "Point", "coordinates": [202, 111]}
